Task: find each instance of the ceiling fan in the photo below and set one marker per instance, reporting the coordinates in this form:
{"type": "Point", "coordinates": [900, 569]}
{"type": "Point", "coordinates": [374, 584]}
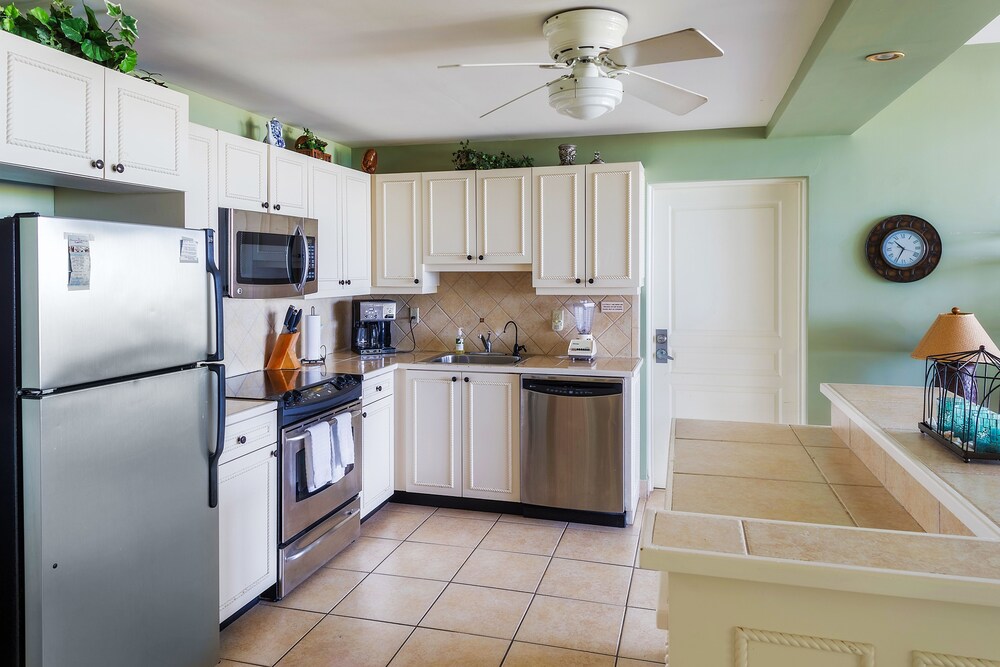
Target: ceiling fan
{"type": "Point", "coordinates": [588, 44]}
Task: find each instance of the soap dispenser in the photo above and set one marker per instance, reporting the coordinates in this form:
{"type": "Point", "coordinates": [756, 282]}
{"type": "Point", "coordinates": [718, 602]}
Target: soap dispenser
{"type": "Point", "coordinates": [460, 341]}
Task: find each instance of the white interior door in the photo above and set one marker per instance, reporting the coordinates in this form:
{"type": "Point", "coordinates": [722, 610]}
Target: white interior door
{"type": "Point", "coordinates": [727, 283]}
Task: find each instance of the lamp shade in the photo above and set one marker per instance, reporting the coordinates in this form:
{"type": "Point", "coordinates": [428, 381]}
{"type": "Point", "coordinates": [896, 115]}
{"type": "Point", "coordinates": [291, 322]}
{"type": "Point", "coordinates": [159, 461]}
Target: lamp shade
{"type": "Point", "coordinates": [954, 332]}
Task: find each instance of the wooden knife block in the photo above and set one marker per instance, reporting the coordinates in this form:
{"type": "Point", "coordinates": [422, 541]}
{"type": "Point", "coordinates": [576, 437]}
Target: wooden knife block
{"type": "Point", "coordinates": [283, 355]}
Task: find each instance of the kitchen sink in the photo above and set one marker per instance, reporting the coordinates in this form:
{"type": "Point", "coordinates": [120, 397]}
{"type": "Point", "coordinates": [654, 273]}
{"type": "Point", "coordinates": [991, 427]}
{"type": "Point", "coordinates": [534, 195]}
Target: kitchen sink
{"type": "Point", "coordinates": [474, 358]}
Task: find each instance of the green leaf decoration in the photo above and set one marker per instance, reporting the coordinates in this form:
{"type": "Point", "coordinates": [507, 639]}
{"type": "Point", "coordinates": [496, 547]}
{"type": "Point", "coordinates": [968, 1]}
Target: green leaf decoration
{"type": "Point", "coordinates": [128, 62]}
{"type": "Point", "coordinates": [92, 22]}
{"type": "Point", "coordinates": [114, 11]}
{"type": "Point", "coordinates": [73, 28]}
{"type": "Point", "coordinates": [11, 12]}
{"type": "Point", "coordinates": [128, 23]}
{"type": "Point", "coordinates": [94, 51]}
{"type": "Point", "coordinates": [60, 9]}
{"type": "Point", "coordinates": [40, 14]}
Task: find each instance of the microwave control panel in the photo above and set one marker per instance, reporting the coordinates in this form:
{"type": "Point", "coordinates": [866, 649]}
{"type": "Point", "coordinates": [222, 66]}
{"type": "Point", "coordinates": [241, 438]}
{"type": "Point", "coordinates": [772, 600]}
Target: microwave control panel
{"type": "Point", "coordinates": [311, 245]}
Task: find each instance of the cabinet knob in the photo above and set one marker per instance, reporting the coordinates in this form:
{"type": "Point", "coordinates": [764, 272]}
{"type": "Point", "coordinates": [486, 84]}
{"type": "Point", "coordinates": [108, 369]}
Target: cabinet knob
{"type": "Point", "coordinates": [466, 379]}
{"type": "Point", "coordinates": [97, 164]}
{"type": "Point", "coordinates": [577, 281]}
{"type": "Point", "coordinates": [120, 168]}
{"type": "Point", "coordinates": [378, 388]}
{"type": "Point", "coordinates": [416, 281]}
{"type": "Point", "coordinates": [341, 282]}
{"type": "Point", "coordinates": [242, 440]}
{"type": "Point", "coordinates": [481, 258]}
{"type": "Point", "coordinates": [591, 281]}
{"type": "Point", "coordinates": [274, 453]}
{"type": "Point", "coordinates": [454, 379]}
{"type": "Point", "coordinates": [348, 282]}
{"type": "Point", "coordinates": [263, 204]}
{"type": "Point", "coordinates": [469, 257]}
{"type": "Point", "coordinates": [277, 207]}
{"type": "Point", "coordinates": [364, 415]}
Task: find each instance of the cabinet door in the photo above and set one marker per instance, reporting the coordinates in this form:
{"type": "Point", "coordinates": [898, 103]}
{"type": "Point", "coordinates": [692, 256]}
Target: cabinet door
{"type": "Point", "coordinates": [248, 528]}
{"type": "Point", "coordinates": [357, 231]}
{"type": "Point", "coordinates": [504, 199]}
{"type": "Point", "coordinates": [201, 198]}
{"type": "Point", "coordinates": [614, 225]}
{"type": "Point", "coordinates": [54, 107]}
{"type": "Point", "coordinates": [559, 223]}
{"type": "Point", "coordinates": [491, 428]}
{"type": "Point", "coordinates": [147, 132]}
{"type": "Point", "coordinates": [433, 433]}
{"type": "Point", "coordinates": [398, 245]}
{"type": "Point", "coordinates": [288, 181]}
{"type": "Point", "coordinates": [378, 441]}
{"type": "Point", "coordinates": [327, 205]}
{"type": "Point", "coordinates": [449, 218]}
{"type": "Point", "coordinates": [242, 173]}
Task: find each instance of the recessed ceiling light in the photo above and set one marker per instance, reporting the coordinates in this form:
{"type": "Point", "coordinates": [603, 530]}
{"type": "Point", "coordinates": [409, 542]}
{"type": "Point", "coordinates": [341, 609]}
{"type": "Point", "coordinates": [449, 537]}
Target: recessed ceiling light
{"type": "Point", "coordinates": [884, 56]}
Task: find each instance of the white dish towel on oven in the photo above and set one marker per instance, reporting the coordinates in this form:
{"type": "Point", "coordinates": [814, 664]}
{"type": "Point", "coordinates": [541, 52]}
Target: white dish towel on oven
{"type": "Point", "coordinates": [319, 455]}
{"type": "Point", "coordinates": [343, 445]}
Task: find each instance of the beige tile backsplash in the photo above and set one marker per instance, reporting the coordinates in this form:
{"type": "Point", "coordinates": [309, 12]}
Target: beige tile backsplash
{"type": "Point", "coordinates": [464, 299]}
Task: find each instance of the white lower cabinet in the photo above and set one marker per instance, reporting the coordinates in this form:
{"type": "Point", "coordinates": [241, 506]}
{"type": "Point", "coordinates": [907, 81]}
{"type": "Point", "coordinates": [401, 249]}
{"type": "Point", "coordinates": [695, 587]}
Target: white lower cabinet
{"type": "Point", "coordinates": [463, 434]}
{"type": "Point", "coordinates": [248, 506]}
{"type": "Point", "coordinates": [378, 443]}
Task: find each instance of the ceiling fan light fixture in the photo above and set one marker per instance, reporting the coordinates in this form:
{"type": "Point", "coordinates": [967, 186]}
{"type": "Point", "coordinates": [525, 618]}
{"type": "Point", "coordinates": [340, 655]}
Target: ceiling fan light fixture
{"type": "Point", "coordinates": [884, 56]}
{"type": "Point", "coordinates": [585, 98]}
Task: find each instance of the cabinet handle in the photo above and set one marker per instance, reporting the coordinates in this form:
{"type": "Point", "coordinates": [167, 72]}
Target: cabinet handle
{"type": "Point", "coordinates": [364, 415]}
{"type": "Point", "coordinates": [120, 168]}
{"type": "Point", "coordinates": [341, 282]}
{"type": "Point", "coordinates": [97, 164]}
{"type": "Point", "coordinates": [577, 281]}
{"type": "Point", "coordinates": [378, 388]}
{"type": "Point", "coordinates": [242, 440]}
{"type": "Point", "coordinates": [277, 207]}
{"type": "Point", "coordinates": [591, 281]}
{"type": "Point", "coordinates": [466, 379]}
{"type": "Point", "coordinates": [468, 257]}
{"type": "Point", "coordinates": [481, 258]}
{"type": "Point", "coordinates": [416, 281]}
{"type": "Point", "coordinates": [263, 204]}
{"type": "Point", "coordinates": [454, 379]}
{"type": "Point", "coordinates": [348, 282]}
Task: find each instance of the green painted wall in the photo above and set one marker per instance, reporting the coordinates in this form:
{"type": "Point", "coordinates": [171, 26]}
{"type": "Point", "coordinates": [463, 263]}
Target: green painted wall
{"type": "Point", "coordinates": [22, 198]}
{"type": "Point", "coordinates": [934, 152]}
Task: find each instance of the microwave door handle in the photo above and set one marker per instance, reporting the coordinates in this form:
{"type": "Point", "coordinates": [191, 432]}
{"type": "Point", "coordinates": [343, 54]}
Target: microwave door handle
{"type": "Point", "coordinates": [299, 239]}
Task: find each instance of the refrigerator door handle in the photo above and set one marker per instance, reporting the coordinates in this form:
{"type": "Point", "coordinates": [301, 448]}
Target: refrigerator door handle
{"type": "Point", "coordinates": [213, 268]}
{"type": "Point", "coordinates": [220, 434]}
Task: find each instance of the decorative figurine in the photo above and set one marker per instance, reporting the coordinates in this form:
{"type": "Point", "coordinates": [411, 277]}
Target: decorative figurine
{"type": "Point", "coordinates": [567, 154]}
{"type": "Point", "coordinates": [369, 161]}
{"type": "Point", "coordinates": [274, 133]}
{"type": "Point", "coordinates": [597, 158]}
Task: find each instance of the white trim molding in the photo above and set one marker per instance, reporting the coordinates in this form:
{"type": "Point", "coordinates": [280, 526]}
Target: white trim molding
{"type": "Point", "coordinates": [923, 659]}
{"type": "Point", "coordinates": [864, 652]}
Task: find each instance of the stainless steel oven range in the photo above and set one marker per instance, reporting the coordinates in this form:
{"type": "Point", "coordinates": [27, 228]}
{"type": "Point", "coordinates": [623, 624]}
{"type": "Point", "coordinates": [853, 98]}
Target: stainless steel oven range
{"type": "Point", "coordinates": [315, 526]}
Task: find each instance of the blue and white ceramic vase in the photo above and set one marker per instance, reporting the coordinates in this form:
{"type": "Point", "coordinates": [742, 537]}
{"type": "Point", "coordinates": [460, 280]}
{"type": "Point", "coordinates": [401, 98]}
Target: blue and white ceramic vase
{"type": "Point", "coordinates": [275, 136]}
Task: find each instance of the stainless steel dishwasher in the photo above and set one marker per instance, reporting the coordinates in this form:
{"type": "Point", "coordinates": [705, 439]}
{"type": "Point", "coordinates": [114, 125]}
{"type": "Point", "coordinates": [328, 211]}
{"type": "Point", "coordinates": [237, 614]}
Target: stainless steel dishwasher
{"type": "Point", "coordinates": [573, 444]}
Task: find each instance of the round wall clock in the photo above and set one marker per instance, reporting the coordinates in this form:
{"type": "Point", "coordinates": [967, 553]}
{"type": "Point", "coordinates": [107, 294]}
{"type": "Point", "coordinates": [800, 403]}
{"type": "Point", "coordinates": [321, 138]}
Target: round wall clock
{"type": "Point", "coordinates": [903, 248]}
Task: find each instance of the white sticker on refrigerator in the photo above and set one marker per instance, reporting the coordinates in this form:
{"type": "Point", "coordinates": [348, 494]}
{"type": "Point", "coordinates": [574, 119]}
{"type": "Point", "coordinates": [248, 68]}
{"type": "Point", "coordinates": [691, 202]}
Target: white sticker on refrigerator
{"type": "Point", "coordinates": [78, 249]}
{"type": "Point", "coordinates": [189, 250]}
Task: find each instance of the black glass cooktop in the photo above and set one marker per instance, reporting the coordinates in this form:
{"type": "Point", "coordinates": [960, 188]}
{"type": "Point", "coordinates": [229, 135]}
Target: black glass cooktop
{"type": "Point", "coordinates": [300, 393]}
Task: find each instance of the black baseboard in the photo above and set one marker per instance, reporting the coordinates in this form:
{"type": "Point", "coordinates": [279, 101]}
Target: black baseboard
{"type": "Point", "coordinates": [504, 507]}
{"type": "Point", "coordinates": [244, 609]}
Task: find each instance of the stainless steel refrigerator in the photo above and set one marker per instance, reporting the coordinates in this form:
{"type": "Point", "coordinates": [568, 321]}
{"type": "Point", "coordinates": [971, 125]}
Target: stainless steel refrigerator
{"type": "Point", "coordinates": [112, 427]}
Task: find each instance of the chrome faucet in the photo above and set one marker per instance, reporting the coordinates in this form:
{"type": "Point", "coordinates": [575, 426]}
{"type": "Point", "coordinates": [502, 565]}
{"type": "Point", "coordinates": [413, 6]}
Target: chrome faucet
{"type": "Point", "coordinates": [487, 341]}
{"type": "Point", "coordinates": [517, 348]}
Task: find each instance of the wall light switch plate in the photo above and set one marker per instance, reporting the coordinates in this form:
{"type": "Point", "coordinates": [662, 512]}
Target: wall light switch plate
{"type": "Point", "coordinates": [558, 319]}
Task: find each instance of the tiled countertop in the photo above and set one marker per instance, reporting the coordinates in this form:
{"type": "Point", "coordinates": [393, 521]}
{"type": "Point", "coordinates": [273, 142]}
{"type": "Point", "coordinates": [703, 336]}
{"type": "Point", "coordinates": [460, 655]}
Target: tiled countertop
{"type": "Point", "coordinates": [238, 409]}
{"type": "Point", "coordinates": [347, 362]}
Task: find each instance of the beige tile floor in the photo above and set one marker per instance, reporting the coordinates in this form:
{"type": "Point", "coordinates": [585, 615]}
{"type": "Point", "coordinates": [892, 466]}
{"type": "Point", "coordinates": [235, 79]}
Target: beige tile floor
{"type": "Point", "coordinates": [426, 586]}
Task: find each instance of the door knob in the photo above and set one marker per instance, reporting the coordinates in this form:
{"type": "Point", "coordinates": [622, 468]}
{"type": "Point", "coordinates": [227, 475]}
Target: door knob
{"type": "Point", "coordinates": [466, 379]}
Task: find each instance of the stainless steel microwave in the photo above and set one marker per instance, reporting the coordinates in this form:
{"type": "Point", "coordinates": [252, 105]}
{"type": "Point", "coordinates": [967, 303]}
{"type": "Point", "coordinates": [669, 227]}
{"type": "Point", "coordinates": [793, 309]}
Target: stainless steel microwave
{"type": "Point", "coordinates": [267, 256]}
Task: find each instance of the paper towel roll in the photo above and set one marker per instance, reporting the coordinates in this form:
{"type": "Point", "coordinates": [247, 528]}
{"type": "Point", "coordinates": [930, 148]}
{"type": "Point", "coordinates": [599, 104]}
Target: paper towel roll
{"type": "Point", "coordinates": [311, 337]}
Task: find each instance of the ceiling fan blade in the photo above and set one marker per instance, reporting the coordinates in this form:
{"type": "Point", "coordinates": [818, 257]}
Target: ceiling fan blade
{"type": "Point", "coordinates": [540, 65]}
{"type": "Point", "coordinates": [690, 44]}
{"type": "Point", "coordinates": [665, 95]}
{"type": "Point", "coordinates": [533, 90]}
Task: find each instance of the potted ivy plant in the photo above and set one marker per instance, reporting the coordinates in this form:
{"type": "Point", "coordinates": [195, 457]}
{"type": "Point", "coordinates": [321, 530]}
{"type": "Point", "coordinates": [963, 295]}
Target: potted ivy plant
{"type": "Point", "coordinates": [82, 37]}
{"type": "Point", "coordinates": [311, 145]}
{"type": "Point", "coordinates": [468, 158]}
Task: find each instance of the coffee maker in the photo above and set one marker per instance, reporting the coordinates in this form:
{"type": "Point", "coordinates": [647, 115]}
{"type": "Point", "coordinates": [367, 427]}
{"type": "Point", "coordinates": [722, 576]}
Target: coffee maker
{"type": "Point", "coordinates": [372, 333]}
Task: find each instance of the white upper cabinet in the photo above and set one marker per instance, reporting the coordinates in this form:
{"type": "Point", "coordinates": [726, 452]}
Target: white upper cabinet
{"type": "Point", "coordinates": [242, 173]}
{"type": "Point", "coordinates": [589, 229]}
{"type": "Point", "coordinates": [66, 115]}
{"type": "Point", "coordinates": [288, 178]}
{"type": "Point", "coordinates": [146, 140]}
{"type": "Point", "coordinates": [399, 252]}
{"type": "Point", "coordinates": [340, 199]}
{"type": "Point", "coordinates": [201, 198]}
{"type": "Point", "coordinates": [504, 216]}
{"type": "Point", "coordinates": [449, 217]}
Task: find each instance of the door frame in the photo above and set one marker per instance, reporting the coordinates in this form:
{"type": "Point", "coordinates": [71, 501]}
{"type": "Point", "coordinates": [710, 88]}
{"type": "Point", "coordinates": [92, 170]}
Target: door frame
{"type": "Point", "coordinates": [648, 331]}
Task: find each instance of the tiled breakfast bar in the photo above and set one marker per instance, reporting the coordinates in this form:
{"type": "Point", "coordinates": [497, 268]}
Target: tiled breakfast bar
{"type": "Point", "coordinates": [862, 544]}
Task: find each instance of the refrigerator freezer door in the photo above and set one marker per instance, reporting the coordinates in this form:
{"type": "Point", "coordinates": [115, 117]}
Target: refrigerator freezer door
{"type": "Point", "coordinates": [121, 546]}
{"type": "Point", "coordinates": [103, 300]}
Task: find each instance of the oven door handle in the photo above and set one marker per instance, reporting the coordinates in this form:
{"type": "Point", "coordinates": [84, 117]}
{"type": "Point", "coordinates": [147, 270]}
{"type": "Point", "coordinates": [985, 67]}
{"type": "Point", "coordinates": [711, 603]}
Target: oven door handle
{"type": "Point", "coordinates": [300, 244]}
{"type": "Point", "coordinates": [314, 543]}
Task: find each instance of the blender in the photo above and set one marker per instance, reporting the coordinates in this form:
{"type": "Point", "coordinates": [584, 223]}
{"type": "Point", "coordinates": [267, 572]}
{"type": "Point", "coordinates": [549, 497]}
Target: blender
{"type": "Point", "coordinates": [583, 347]}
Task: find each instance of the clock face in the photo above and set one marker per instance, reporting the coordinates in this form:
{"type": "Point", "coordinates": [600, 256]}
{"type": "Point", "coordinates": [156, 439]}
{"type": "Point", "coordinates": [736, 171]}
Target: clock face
{"type": "Point", "coordinates": [903, 248]}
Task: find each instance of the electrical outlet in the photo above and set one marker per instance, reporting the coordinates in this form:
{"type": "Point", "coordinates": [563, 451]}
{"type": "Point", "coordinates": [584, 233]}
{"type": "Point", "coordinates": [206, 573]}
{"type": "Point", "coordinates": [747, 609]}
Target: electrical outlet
{"type": "Point", "coordinates": [558, 319]}
{"type": "Point", "coordinates": [415, 315]}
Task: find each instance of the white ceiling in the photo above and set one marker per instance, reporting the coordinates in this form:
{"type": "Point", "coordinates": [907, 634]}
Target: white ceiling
{"type": "Point", "coordinates": [364, 72]}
